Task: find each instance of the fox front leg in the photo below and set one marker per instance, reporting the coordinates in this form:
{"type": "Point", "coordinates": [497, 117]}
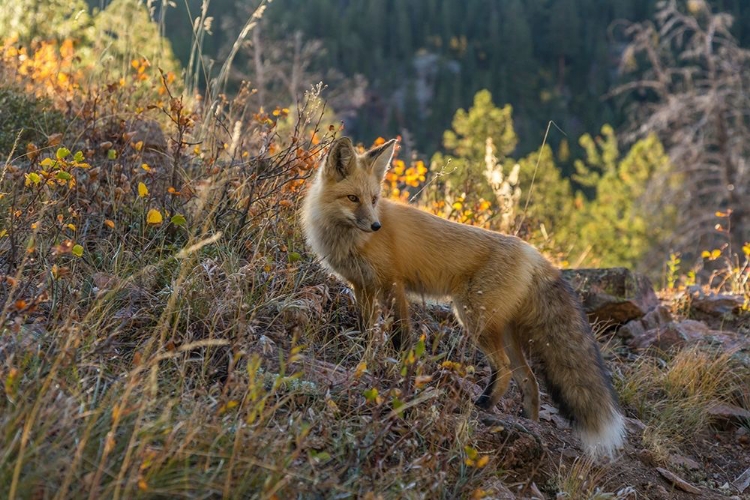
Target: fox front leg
{"type": "Point", "coordinates": [400, 310]}
{"type": "Point", "coordinates": [368, 309]}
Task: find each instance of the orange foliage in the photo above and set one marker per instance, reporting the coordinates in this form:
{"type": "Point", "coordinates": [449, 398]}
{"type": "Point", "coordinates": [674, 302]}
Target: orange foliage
{"type": "Point", "coordinates": [51, 69]}
{"type": "Point", "coordinates": [404, 183]}
{"type": "Point", "coordinates": [47, 69]}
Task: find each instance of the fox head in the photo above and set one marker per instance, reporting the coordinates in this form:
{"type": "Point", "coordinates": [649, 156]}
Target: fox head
{"type": "Point", "coordinates": [352, 183]}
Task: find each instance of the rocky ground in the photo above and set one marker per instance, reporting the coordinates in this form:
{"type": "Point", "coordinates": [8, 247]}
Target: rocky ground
{"type": "Point", "coordinates": [633, 324]}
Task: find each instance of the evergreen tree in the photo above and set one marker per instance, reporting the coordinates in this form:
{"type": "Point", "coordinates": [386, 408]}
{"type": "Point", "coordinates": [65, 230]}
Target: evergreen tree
{"type": "Point", "coordinates": [466, 143]}
{"type": "Point", "coordinates": [546, 201]}
{"type": "Point", "coordinates": [621, 226]}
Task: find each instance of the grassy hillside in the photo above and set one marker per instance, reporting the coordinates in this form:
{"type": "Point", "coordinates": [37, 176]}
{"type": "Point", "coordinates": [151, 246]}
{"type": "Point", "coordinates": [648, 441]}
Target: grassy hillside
{"type": "Point", "coordinates": [166, 333]}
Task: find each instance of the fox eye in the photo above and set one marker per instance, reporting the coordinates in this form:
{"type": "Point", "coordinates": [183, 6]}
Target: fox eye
{"type": "Point", "coordinates": [353, 198]}
{"type": "Point", "coordinates": [374, 200]}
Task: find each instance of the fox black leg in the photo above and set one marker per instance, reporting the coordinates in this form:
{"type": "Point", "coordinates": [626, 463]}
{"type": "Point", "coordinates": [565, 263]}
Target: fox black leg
{"type": "Point", "coordinates": [484, 401]}
{"type": "Point", "coordinates": [396, 337]}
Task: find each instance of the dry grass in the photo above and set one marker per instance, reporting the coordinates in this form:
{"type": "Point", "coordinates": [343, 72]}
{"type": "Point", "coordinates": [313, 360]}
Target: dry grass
{"type": "Point", "coordinates": [673, 395]}
{"type": "Point", "coordinates": [583, 479]}
{"type": "Point", "coordinates": [209, 355]}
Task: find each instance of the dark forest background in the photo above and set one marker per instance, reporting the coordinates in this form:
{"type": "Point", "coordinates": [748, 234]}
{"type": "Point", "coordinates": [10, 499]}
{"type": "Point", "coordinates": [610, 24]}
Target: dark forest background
{"type": "Point", "coordinates": [421, 60]}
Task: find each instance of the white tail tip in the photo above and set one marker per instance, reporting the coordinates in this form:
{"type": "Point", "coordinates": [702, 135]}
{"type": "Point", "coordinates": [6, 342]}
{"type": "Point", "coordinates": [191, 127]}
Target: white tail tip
{"type": "Point", "coordinates": [606, 440]}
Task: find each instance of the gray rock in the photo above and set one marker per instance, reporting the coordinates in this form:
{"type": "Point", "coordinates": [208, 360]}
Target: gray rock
{"type": "Point", "coordinates": [613, 295]}
{"type": "Point", "coordinates": [717, 305]}
{"type": "Point", "coordinates": [150, 133]}
{"type": "Point", "coordinates": [728, 415]}
{"type": "Point", "coordinates": [683, 461]}
{"type": "Point", "coordinates": [631, 330]}
{"type": "Point", "coordinates": [671, 335]}
{"type": "Point", "coordinates": [742, 482]}
{"type": "Point", "coordinates": [660, 315]}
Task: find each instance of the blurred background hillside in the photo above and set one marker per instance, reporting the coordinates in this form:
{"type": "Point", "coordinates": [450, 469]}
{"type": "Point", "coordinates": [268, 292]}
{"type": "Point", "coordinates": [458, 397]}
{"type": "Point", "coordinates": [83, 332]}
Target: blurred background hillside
{"type": "Point", "coordinates": [608, 74]}
{"type": "Point", "coordinates": [408, 66]}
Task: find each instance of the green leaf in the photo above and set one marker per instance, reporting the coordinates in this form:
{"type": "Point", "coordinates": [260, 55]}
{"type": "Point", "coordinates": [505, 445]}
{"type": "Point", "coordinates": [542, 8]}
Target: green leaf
{"type": "Point", "coordinates": [397, 404]}
{"type": "Point", "coordinates": [78, 156]}
{"type": "Point", "coordinates": [112, 154]}
{"type": "Point", "coordinates": [320, 457]}
{"type": "Point", "coordinates": [63, 176]}
{"type": "Point", "coordinates": [472, 453]}
{"type": "Point", "coordinates": [77, 250]}
{"type": "Point", "coordinates": [62, 153]}
{"type": "Point", "coordinates": [419, 349]}
{"type": "Point", "coordinates": [371, 394]}
{"type": "Point", "coordinates": [34, 177]}
{"type": "Point", "coordinates": [178, 220]}
{"type": "Point", "coordinates": [294, 256]}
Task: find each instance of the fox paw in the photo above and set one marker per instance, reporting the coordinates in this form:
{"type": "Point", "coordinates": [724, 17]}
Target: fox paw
{"type": "Point", "coordinates": [484, 402]}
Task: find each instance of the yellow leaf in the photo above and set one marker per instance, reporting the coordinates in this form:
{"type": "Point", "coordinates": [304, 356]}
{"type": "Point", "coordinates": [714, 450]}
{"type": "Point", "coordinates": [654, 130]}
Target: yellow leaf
{"type": "Point", "coordinates": [77, 250]}
{"type": "Point", "coordinates": [332, 405]}
{"type": "Point", "coordinates": [32, 177]}
{"type": "Point", "coordinates": [72, 227]}
{"type": "Point", "coordinates": [746, 249]}
{"type": "Point", "coordinates": [705, 254]}
{"type": "Point", "coordinates": [154, 217]}
{"type": "Point", "coordinates": [483, 460]}
{"type": "Point", "coordinates": [109, 223]}
{"type": "Point", "coordinates": [478, 494]}
{"type": "Point", "coordinates": [142, 190]}
{"type": "Point", "coordinates": [145, 167]}
{"type": "Point", "coordinates": [715, 254]}
{"type": "Point", "coordinates": [371, 394]}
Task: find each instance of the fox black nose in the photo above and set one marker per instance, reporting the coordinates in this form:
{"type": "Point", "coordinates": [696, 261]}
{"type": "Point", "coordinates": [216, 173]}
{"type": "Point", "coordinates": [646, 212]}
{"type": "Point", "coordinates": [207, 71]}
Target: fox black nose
{"type": "Point", "coordinates": [375, 226]}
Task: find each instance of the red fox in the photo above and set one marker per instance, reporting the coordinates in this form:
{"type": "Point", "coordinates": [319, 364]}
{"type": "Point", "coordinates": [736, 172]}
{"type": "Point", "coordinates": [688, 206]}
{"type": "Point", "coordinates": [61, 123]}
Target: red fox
{"type": "Point", "coordinates": [505, 294]}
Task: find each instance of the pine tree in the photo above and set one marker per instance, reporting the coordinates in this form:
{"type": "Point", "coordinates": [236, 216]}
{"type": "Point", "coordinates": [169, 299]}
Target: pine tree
{"type": "Point", "coordinates": [622, 226]}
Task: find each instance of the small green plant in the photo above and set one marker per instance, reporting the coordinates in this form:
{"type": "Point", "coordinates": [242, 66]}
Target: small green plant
{"type": "Point", "coordinates": [673, 270]}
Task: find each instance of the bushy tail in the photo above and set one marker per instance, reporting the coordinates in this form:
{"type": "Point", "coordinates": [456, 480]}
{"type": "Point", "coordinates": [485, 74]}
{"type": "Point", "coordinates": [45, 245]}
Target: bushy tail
{"type": "Point", "coordinates": [561, 338]}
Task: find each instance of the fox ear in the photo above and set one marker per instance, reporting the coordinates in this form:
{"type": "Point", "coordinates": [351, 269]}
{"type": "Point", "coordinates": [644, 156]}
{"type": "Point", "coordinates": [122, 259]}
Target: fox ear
{"type": "Point", "coordinates": [380, 157]}
{"type": "Point", "coordinates": [341, 159]}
